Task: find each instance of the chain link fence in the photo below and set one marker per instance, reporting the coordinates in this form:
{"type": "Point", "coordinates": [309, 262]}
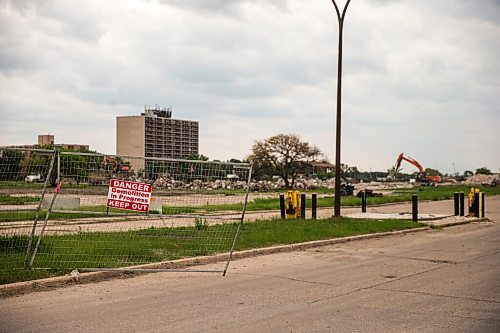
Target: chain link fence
{"type": "Point", "coordinates": [58, 211]}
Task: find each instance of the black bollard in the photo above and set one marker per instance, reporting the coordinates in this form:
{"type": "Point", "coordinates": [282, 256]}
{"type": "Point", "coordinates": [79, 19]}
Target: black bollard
{"type": "Point", "coordinates": [282, 206]}
{"type": "Point", "coordinates": [482, 204]}
{"type": "Point", "coordinates": [314, 205]}
{"type": "Point", "coordinates": [303, 204]}
{"type": "Point", "coordinates": [476, 204]}
{"type": "Point", "coordinates": [414, 208]}
{"type": "Point", "coordinates": [363, 202]}
{"type": "Point", "coordinates": [456, 202]}
{"type": "Point", "coordinates": [462, 203]}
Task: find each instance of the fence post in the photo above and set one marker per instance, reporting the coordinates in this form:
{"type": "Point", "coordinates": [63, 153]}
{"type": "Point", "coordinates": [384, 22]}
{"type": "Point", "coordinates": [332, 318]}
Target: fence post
{"type": "Point", "coordinates": [414, 207]}
{"type": "Point", "coordinates": [363, 201]}
{"type": "Point", "coordinates": [462, 203]}
{"type": "Point", "coordinates": [456, 203]}
{"type": "Point", "coordinates": [58, 179]}
{"type": "Point", "coordinates": [282, 206]}
{"type": "Point", "coordinates": [314, 205]}
{"type": "Point", "coordinates": [39, 207]}
{"type": "Point", "coordinates": [303, 204]}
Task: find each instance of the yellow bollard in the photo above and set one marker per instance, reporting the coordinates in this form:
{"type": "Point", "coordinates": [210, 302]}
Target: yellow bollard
{"type": "Point", "coordinates": [471, 201]}
{"type": "Point", "coordinates": [292, 204]}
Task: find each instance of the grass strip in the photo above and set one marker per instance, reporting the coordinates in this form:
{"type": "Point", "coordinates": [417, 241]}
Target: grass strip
{"type": "Point", "coordinates": [120, 249]}
{"type": "Point", "coordinates": [6, 199]}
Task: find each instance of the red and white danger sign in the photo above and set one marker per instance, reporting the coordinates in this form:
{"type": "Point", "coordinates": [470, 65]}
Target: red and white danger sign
{"type": "Point", "coordinates": [129, 195]}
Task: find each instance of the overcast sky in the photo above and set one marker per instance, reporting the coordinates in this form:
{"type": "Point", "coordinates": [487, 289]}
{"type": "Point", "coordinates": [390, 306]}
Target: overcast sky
{"type": "Point", "coordinates": [420, 77]}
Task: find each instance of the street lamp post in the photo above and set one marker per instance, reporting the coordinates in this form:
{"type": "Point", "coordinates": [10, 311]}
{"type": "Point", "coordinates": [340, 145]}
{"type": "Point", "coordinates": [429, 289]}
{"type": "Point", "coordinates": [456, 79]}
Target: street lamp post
{"type": "Point", "coordinates": [339, 108]}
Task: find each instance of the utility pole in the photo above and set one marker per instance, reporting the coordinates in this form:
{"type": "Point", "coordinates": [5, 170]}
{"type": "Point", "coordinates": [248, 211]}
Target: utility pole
{"type": "Point", "coordinates": [339, 108]}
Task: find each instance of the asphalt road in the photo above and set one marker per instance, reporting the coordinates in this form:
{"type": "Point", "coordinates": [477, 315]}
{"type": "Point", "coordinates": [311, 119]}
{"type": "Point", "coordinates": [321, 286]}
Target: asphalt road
{"type": "Point", "coordinates": [435, 281]}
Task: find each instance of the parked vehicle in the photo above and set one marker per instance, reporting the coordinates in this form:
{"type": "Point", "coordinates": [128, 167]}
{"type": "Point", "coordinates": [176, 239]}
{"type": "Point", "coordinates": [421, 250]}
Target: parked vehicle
{"type": "Point", "coordinates": [32, 178]}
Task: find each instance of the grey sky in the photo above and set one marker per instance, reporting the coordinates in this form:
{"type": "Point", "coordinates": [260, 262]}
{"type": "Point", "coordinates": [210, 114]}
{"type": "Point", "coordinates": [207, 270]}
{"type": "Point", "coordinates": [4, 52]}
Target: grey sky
{"type": "Point", "coordinates": [420, 77]}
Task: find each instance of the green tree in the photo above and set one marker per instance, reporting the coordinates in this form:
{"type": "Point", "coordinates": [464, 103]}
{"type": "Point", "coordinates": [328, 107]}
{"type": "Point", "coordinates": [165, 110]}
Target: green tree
{"type": "Point", "coordinates": [10, 164]}
{"type": "Point", "coordinates": [284, 154]}
{"type": "Point", "coordinates": [197, 157]}
{"type": "Point", "coordinates": [432, 172]}
{"type": "Point", "coordinates": [468, 173]}
{"type": "Point", "coordinates": [349, 171]}
{"type": "Point", "coordinates": [483, 171]}
{"type": "Point", "coordinates": [74, 167]}
{"type": "Point", "coordinates": [38, 163]}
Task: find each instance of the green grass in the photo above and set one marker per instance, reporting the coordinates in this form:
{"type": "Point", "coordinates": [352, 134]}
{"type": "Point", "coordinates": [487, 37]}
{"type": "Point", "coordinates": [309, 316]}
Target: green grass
{"type": "Point", "coordinates": [120, 249]}
{"type": "Point", "coordinates": [6, 199]}
{"type": "Point", "coordinates": [8, 184]}
{"type": "Point", "coordinates": [275, 232]}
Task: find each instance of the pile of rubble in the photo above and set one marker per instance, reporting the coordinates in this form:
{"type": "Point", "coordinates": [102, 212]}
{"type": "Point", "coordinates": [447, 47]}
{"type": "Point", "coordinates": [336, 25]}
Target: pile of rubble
{"type": "Point", "coordinates": [168, 183]}
{"type": "Point", "coordinates": [483, 180]}
{"type": "Point", "coordinates": [196, 184]}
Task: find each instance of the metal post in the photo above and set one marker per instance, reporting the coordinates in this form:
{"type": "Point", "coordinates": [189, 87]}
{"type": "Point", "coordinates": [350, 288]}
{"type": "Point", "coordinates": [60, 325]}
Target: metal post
{"type": "Point", "coordinates": [482, 204]}
{"type": "Point", "coordinates": [339, 108]}
{"type": "Point", "coordinates": [476, 204]}
{"type": "Point", "coordinates": [314, 205]}
{"type": "Point", "coordinates": [462, 203]}
{"type": "Point", "coordinates": [282, 206]}
{"type": "Point", "coordinates": [42, 231]}
{"type": "Point", "coordinates": [414, 208]}
{"type": "Point", "coordinates": [363, 202]}
{"type": "Point", "coordinates": [35, 222]}
{"type": "Point", "coordinates": [58, 179]}
{"type": "Point", "coordinates": [456, 203]}
{"type": "Point", "coordinates": [245, 203]}
{"type": "Point", "coordinates": [303, 204]}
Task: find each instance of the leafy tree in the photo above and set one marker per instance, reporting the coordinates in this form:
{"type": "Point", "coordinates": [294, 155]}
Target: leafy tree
{"type": "Point", "coordinates": [349, 171]}
{"type": "Point", "coordinates": [39, 164]}
{"type": "Point", "coordinates": [468, 173]}
{"type": "Point", "coordinates": [483, 171]}
{"type": "Point", "coordinates": [284, 154]}
{"type": "Point", "coordinates": [10, 164]}
{"type": "Point", "coordinates": [432, 172]}
{"type": "Point", "coordinates": [74, 167]}
{"type": "Point", "coordinates": [197, 157]}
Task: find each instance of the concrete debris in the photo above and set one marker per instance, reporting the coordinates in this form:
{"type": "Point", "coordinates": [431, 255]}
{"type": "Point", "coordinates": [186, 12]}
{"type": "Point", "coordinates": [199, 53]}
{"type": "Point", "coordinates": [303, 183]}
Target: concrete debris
{"type": "Point", "coordinates": [168, 182]}
{"type": "Point", "coordinates": [482, 179]}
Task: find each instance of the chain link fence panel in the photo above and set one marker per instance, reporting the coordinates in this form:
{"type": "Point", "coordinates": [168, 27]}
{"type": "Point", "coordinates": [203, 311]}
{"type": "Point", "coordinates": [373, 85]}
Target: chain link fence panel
{"type": "Point", "coordinates": [195, 208]}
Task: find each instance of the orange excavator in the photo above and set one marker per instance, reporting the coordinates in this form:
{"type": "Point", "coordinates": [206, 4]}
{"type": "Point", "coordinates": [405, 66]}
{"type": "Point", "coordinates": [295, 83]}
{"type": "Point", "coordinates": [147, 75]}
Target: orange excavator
{"type": "Point", "coordinates": [421, 176]}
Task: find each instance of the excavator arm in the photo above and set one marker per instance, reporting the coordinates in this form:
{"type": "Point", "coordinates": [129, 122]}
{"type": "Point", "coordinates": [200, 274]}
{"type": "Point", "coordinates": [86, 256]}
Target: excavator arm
{"type": "Point", "coordinates": [408, 159]}
{"type": "Point", "coordinates": [422, 176]}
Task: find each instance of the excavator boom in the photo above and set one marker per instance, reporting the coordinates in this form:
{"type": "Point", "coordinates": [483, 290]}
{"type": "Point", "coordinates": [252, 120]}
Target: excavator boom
{"type": "Point", "coordinates": [414, 162]}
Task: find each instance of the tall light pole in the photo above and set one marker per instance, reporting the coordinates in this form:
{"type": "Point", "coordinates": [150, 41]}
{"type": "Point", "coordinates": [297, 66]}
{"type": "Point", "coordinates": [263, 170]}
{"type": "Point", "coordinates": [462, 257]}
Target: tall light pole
{"type": "Point", "coordinates": [339, 108]}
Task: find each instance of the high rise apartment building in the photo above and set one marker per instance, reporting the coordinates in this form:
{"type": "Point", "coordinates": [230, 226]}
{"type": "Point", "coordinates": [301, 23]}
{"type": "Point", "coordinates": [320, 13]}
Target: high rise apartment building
{"type": "Point", "coordinates": [155, 133]}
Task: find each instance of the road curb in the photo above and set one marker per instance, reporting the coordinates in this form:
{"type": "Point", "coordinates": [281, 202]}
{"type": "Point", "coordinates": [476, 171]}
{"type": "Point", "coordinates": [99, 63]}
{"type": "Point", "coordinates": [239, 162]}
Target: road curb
{"type": "Point", "coordinates": [18, 288]}
{"type": "Point", "coordinates": [460, 222]}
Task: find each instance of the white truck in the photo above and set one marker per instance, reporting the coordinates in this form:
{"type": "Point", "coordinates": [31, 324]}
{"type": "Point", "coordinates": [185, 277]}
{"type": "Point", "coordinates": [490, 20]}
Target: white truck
{"type": "Point", "coordinates": [32, 178]}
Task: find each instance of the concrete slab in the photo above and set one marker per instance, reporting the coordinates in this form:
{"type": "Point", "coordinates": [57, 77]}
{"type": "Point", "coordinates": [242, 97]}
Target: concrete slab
{"type": "Point", "coordinates": [397, 216]}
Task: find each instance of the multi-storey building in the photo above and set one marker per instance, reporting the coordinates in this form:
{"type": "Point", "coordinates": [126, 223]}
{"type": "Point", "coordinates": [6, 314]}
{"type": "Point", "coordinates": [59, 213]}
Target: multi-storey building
{"type": "Point", "coordinates": [155, 133]}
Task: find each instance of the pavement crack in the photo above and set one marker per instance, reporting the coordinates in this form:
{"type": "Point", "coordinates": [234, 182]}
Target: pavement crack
{"type": "Point", "coordinates": [439, 295]}
{"type": "Point", "coordinates": [436, 261]}
{"type": "Point", "coordinates": [286, 278]}
{"type": "Point", "coordinates": [373, 286]}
